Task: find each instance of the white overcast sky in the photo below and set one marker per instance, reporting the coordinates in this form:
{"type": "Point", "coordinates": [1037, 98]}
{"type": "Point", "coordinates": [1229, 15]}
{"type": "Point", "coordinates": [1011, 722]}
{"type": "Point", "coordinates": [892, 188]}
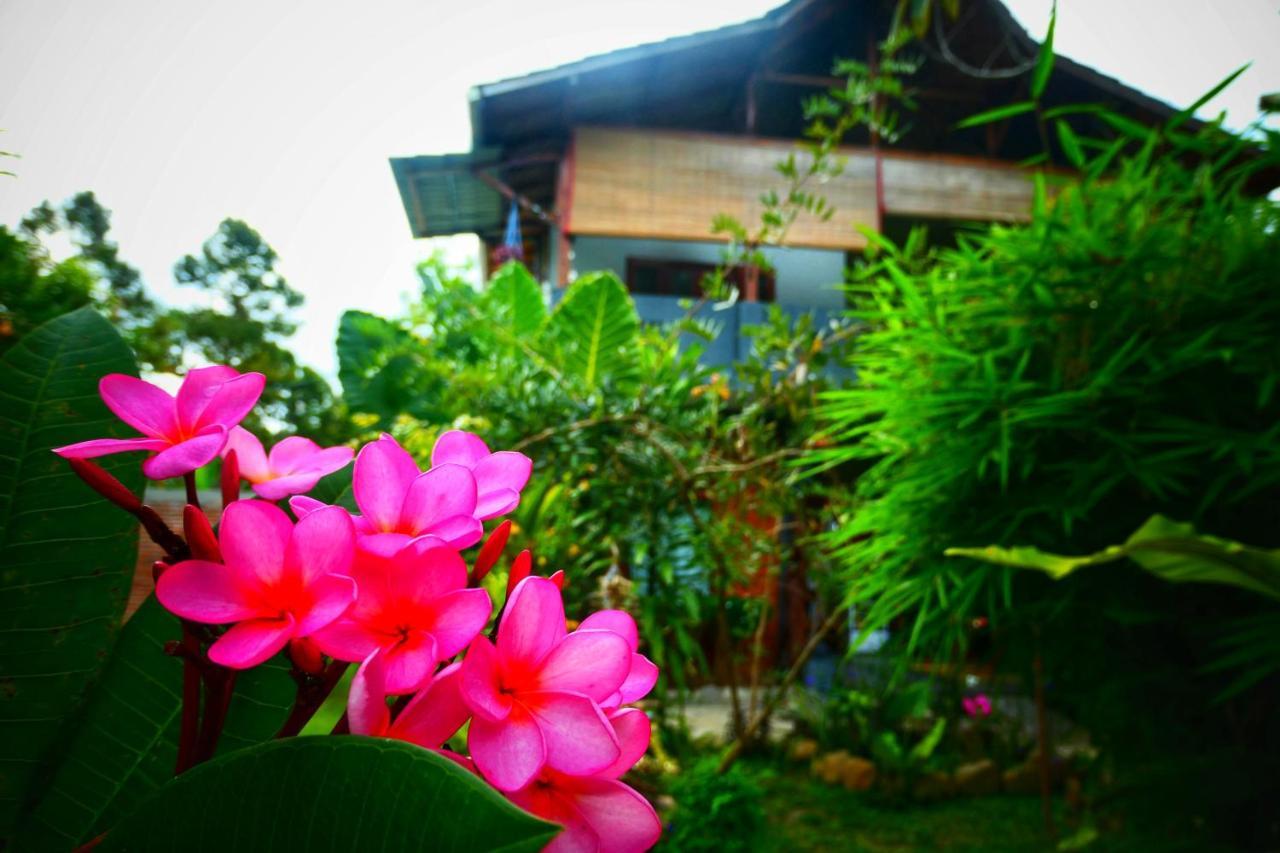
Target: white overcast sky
{"type": "Point", "coordinates": [178, 113]}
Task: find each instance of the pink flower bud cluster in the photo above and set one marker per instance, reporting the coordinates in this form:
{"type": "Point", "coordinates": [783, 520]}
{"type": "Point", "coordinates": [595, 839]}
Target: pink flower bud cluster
{"type": "Point", "coordinates": [548, 709]}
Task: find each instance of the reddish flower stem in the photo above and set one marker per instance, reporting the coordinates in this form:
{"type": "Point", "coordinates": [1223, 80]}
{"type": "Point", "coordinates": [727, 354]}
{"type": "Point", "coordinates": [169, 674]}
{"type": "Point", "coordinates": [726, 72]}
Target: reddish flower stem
{"type": "Point", "coordinates": [220, 684]}
{"type": "Point", "coordinates": [189, 650]}
{"type": "Point", "coordinates": [193, 495]}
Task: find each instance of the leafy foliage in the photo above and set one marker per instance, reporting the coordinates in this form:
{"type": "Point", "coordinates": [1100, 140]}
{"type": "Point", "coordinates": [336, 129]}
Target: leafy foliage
{"type": "Point", "coordinates": [68, 558]}
{"type": "Point", "coordinates": [1056, 384]}
{"type": "Point", "coordinates": [330, 793]}
{"type": "Point", "coordinates": [716, 811]}
{"type": "Point", "coordinates": [33, 289]}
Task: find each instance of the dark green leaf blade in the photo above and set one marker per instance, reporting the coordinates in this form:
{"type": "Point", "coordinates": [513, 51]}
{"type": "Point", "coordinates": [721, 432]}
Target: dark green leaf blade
{"type": "Point", "coordinates": [67, 555]}
{"type": "Point", "coordinates": [997, 114]}
{"type": "Point", "coordinates": [1044, 62]}
{"type": "Point", "coordinates": [126, 742]}
{"type": "Point", "coordinates": [329, 793]}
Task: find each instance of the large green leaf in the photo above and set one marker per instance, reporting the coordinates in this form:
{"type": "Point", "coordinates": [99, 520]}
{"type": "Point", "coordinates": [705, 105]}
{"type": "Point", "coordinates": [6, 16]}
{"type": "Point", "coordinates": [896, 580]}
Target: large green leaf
{"type": "Point", "coordinates": [379, 365]}
{"type": "Point", "coordinates": [1168, 549]}
{"type": "Point", "coordinates": [125, 745]}
{"type": "Point", "coordinates": [66, 555]}
{"type": "Point", "coordinates": [318, 794]}
{"type": "Point", "coordinates": [517, 299]}
{"type": "Point", "coordinates": [593, 330]}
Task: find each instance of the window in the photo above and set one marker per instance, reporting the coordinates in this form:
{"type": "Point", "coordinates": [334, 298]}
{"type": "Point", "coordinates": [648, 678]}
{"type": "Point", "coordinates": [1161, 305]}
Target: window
{"type": "Point", "coordinates": [684, 278]}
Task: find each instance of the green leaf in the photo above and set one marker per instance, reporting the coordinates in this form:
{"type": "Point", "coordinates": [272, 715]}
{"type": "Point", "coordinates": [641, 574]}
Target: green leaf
{"type": "Point", "coordinates": [66, 555]}
{"type": "Point", "coordinates": [999, 113]}
{"type": "Point", "coordinates": [378, 365]}
{"type": "Point", "coordinates": [329, 794]}
{"type": "Point", "coordinates": [1167, 549]}
{"type": "Point", "coordinates": [1044, 62]}
{"type": "Point", "coordinates": [125, 744]}
{"type": "Point", "coordinates": [517, 299]}
{"type": "Point", "coordinates": [1208, 96]}
{"type": "Point", "coordinates": [593, 330]}
{"type": "Point", "coordinates": [922, 751]}
{"type": "Point", "coordinates": [1070, 144]}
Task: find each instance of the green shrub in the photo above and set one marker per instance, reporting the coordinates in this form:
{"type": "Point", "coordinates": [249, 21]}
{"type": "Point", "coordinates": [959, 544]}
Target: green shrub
{"type": "Point", "coordinates": [714, 811]}
{"type": "Point", "coordinates": [1055, 384]}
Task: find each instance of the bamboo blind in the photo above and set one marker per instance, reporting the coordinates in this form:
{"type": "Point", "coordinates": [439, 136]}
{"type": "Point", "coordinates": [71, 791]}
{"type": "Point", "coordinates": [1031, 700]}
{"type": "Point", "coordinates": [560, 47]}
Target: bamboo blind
{"type": "Point", "coordinates": [636, 183]}
{"type": "Point", "coordinates": [671, 186]}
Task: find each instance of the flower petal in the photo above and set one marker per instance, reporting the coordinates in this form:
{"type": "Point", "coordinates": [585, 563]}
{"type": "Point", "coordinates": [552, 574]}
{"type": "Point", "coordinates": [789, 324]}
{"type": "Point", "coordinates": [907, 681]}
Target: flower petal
{"type": "Point", "coordinates": [493, 504]}
{"type": "Point", "coordinates": [331, 596]}
{"type": "Point", "coordinates": [328, 460]}
{"type": "Point", "coordinates": [410, 663]}
{"type": "Point", "coordinates": [143, 406]}
{"type": "Point", "coordinates": [217, 395]}
{"type": "Point", "coordinates": [367, 711]}
{"type": "Point", "coordinates": [624, 821]}
{"type": "Point", "coordinates": [323, 543]}
{"type": "Point", "coordinates": [441, 493]}
{"type": "Point", "coordinates": [428, 569]}
{"type": "Point", "coordinates": [304, 506]}
{"type": "Point", "coordinates": [579, 740]}
{"type": "Point", "coordinates": [480, 683]}
{"type": "Point", "coordinates": [106, 446]}
{"type": "Point", "coordinates": [593, 663]}
{"type": "Point", "coordinates": [639, 681]}
{"type": "Point", "coordinates": [250, 643]}
{"type": "Point", "coordinates": [458, 618]}
{"type": "Point", "coordinates": [205, 592]}
{"type": "Point", "coordinates": [634, 731]}
{"type": "Point", "coordinates": [383, 473]}
{"type": "Point", "coordinates": [533, 622]}
{"type": "Point", "coordinates": [436, 713]}
{"type": "Point", "coordinates": [250, 458]}
{"type": "Point", "coordinates": [459, 531]}
{"type": "Point", "coordinates": [347, 640]}
{"type": "Point", "coordinates": [505, 469]}
{"type": "Point", "coordinates": [186, 456]}
{"type": "Point", "coordinates": [459, 448]}
{"type": "Point", "coordinates": [290, 454]}
{"type": "Point", "coordinates": [290, 484]}
{"type": "Point", "coordinates": [617, 621]}
{"type": "Point", "coordinates": [253, 536]}
{"type": "Point", "coordinates": [509, 753]}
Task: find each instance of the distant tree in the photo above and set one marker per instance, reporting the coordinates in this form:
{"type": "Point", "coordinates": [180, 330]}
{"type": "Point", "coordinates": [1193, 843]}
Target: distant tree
{"type": "Point", "coordinates": [33, 289]}
{"type": "Point", "coordinates": [245, 316]}
{"type": "Point", "coordinates": [248, 315]}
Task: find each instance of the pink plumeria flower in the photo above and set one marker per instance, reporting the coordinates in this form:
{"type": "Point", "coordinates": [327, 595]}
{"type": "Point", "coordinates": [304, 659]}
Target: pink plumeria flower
{"type": "Point", "coordinates": [599, 813]}
{"type": "Point", "coordinates": [185, 432]}
{"type": "Point", "coordinates": [399, 503]}
{"type": "Point", "coordinates": [499, 476]}
{"type": "Point", "coordinates": [414, 606]}
{"type": "Point", "coordinates": [292, 467]}
{"type": "Point", "coordinates": [536, 695]}
{"type": "Point", "coordinates": [643, 673]}
{"type": "Point", "coordinates": [431, 717]}
{"type": "Point", "coordinates": [280, 581]}
{"type": "Point", "coordinates": [976, 706]}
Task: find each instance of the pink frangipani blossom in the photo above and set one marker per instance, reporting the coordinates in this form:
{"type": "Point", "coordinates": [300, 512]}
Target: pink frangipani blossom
{"type": "Point", "coordinates": [535, 696]}
{"type": "Point", "coordinates": [398, 502]}
{"type": "Point", "coordinates": [292, 467]}
{"type": "Point", "coordinates": [432, 717]}
{"type": "Point", "coordinates": [279, 581]}
{"type": "Point", "coordinates": [599, 813]}
{"type": "Point", "coordinates": [499, 476]}
{"type": "Point", "coordinates": [183, 433]}
{"type": "Point", "coordinates": [414, 606]}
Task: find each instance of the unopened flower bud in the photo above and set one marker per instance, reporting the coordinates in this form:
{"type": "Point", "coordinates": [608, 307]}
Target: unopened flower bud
{"type": "Point", "coordinates": [105, 484]}
{"type": "Point", "coordinates": [230, 480]}
{"type": "Point", "coordinates": [491, 550]}
{"type": "Point", "coordinates": [521, 566]}
{"type": "Point", "coordinates": [199, 533]}
{"type": "Point", "coordinates": [306, 656]}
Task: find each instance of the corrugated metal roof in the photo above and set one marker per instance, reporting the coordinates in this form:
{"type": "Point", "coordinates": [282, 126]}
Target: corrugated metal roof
{"type": "Point", "coordinates": [442, 195]}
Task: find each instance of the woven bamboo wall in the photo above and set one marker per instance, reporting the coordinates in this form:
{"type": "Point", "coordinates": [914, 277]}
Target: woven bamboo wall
{"type": "Point", "coordinates": [635, 183]}
{"type": "Point", "coordinates": [670, 186]}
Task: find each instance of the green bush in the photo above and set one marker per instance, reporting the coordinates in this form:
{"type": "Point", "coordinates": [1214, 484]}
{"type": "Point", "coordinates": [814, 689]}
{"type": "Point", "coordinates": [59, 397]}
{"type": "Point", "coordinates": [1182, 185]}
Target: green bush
{"type": "Point", "coordinates": [1054, 384]}
{"type": "Point", "coordinates": [715, 811]}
